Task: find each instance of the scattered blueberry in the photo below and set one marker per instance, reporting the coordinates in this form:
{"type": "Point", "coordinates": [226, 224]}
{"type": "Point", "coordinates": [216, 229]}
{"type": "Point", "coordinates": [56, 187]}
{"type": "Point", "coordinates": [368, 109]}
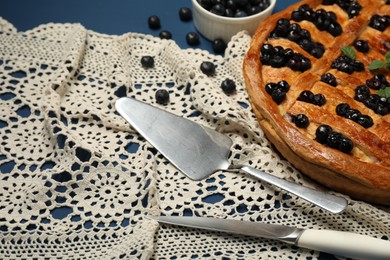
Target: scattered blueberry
{"type": "Point", "coordinates": [228, 86]}
{"type": "Point", "coordinates": [165, 35]}
{"type": "Point", "coordinates": [147, 61]}
{"type": "Point", "coordinates": [154, 22]}
{"type": "Point", "coordinates": [162, 96]}
{"type": "Point", "coordinates": [185, 14]}
{"type": "Point", "coordinates": [192, 38]}
{"type": "Point", "coordinates": [218, 45]}
{"type": "Point", "coordinates": [208, 68]}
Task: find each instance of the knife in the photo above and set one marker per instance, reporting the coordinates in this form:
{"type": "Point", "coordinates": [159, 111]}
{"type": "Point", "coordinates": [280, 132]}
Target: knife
{"type": "Point", "coordinates": [338, 243]}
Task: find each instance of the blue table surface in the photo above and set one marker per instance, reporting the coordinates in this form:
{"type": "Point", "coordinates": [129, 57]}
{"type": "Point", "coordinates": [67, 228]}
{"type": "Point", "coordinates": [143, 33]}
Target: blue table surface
{"type": "Point", "coordinates": [113, 18]}
{"type": "Point", "coordinates": [109, 17]}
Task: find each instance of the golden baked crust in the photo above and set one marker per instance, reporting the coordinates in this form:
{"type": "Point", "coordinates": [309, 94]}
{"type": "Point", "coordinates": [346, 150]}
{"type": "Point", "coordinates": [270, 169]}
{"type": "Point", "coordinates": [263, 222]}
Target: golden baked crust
{"type": "Point", "coordinates": [363, 172]}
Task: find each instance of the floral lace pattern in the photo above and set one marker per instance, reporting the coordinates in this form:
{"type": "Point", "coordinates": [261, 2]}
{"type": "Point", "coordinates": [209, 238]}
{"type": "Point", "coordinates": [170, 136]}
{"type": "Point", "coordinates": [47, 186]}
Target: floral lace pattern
{"type": "Point", "coordinates": [77, 181]}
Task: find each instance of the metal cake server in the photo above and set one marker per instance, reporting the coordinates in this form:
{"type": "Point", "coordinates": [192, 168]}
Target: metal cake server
{"type": "Point", "coordinates": [199, 151]}
{"type": "Point", "coordinates": [339, 243]}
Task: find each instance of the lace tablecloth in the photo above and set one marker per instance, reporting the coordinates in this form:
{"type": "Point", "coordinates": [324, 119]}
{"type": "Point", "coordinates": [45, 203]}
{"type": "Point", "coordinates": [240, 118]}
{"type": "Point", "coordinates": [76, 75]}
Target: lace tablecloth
{"type": "Point", "coordinates": [77, 180]}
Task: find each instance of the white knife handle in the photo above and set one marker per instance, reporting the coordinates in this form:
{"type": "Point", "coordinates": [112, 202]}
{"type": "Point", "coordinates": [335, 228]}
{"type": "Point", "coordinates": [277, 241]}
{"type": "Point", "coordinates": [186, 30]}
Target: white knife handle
{"type": "Point", "coordinates": [325, 200]}
{"type": "Point", "coordinates": [345, 244]}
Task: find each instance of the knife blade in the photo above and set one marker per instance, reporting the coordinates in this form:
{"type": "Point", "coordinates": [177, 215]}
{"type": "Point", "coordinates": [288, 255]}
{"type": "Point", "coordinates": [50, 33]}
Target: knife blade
{"type": "Point", "coordinates": [339, 243]}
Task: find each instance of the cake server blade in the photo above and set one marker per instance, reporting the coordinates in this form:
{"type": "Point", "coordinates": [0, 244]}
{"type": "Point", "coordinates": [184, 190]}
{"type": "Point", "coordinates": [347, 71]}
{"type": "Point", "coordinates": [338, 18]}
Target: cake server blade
{"type": "Point", "coordinates": [199, 151]}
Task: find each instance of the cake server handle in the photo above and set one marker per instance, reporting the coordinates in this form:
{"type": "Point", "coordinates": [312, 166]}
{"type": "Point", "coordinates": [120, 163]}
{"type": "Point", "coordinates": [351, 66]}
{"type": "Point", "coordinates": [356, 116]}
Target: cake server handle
{"type": "Point", "coordinates": [332, 203]}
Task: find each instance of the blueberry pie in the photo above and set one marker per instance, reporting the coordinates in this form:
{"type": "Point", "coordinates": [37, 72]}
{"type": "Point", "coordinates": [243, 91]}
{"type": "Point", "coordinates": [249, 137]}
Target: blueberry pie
{"type": "Point", "coordinates": [318, 79]}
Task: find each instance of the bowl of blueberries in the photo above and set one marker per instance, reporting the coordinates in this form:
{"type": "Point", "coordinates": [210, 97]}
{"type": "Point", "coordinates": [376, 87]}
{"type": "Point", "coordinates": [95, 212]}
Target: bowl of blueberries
{"type": "Point", "coordinates": [222, 19]}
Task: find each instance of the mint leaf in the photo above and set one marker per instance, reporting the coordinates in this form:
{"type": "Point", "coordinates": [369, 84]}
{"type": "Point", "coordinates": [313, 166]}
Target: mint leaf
{"type": "Point", "coordinates": [349, 52]}
{"type": "Point", "coordinates": [384, 92]}
{"type": "Point", "coordinates": [377, 64]}
{"type": "Point", "coordinates": [387, 57]}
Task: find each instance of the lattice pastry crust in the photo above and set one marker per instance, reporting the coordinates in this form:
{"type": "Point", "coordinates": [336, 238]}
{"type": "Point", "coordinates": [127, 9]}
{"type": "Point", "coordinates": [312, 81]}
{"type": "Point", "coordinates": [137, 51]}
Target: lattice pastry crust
{"type": "Point", "coordinates": [328, 120]}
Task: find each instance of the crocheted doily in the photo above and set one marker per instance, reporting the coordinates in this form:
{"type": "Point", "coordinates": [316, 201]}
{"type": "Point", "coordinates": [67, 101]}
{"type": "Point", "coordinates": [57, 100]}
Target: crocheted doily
{"type": "Point", "coordinates": [77, 181]}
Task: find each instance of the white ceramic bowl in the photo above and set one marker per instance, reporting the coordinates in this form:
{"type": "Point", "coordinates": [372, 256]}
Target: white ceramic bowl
{"type": "Point", "coordinates": [214, 26]}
